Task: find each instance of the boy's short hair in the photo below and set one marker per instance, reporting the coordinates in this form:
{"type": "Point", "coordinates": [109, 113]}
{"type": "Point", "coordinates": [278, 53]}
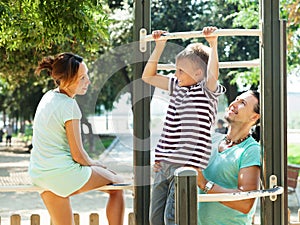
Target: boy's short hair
{"type": "Point", "coordinates": [197, 53]}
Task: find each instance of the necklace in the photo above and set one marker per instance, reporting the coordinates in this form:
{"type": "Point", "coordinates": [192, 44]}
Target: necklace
{"type": "Point", "coordinates": [229, 141]}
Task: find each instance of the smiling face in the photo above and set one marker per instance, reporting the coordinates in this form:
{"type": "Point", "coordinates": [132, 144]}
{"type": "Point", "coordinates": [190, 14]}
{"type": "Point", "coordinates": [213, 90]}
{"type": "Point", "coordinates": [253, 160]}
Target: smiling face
{"type": "Point", "coordinates": [187, 72]}
{"type": "Point", "coordinates": [241, 110]}
{"type": "Point", "coordinates": [82, 81]}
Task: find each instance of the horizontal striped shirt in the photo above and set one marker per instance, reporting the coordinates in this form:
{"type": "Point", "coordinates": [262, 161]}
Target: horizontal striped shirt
{"type": "Point", "coordinates": [186, 135]}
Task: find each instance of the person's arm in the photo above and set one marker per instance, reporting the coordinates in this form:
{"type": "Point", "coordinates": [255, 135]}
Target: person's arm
{"type": "Point", "coordinates": [150, 75]}
{"type": "Point", "coordinates": [213, 60]}
{"type": "Point", "coordinates": [78, 153]}
{"type": "Point", "coordinates": [248, 180]}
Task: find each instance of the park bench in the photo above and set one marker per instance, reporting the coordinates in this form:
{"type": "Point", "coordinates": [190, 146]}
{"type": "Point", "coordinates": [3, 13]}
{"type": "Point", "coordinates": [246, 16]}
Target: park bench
{"type": "Point", "coordinates": [292, 179]}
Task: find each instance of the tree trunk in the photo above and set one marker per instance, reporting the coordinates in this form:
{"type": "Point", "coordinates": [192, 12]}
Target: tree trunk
{"type": "Point", "coordinates": [4, 118]}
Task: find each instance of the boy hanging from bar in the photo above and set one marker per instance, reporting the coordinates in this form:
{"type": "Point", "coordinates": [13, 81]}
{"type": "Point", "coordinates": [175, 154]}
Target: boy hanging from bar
{"type": "Point", "coordinates": [186, 135]}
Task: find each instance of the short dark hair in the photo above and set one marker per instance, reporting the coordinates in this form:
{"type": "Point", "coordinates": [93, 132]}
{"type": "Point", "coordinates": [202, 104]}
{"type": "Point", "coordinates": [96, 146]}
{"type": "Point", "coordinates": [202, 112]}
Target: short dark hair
{"type": "Point", "coordinates": [256, 108]}
{"type": "Point", "coordinates": [221, 121]}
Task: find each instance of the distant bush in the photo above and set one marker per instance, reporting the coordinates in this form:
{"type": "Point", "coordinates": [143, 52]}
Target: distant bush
{"type": "Point", "coordinates": [294, 153]}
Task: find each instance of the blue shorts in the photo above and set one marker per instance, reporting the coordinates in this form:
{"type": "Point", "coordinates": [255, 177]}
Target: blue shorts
{"type": "Point", "coordinates": [162, 204]}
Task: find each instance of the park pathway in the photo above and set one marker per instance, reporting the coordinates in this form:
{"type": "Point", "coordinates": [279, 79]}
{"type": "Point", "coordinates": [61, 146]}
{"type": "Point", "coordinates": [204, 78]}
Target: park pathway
{"type": "Point", "coordinates": [14, 162]}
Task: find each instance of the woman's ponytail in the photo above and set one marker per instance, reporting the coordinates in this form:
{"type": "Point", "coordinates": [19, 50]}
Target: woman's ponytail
{"type": "Point", "coordinates": [45, 64]}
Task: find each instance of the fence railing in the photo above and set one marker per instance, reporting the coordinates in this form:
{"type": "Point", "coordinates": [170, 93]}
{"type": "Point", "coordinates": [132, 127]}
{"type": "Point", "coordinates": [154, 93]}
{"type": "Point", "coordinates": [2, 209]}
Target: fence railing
{"type": "Point", "coordinates": [94, 219]}
{"type": "Point", "coordinates": [35, 219]}
{"type": "Point", "coordinates": [293, 222]}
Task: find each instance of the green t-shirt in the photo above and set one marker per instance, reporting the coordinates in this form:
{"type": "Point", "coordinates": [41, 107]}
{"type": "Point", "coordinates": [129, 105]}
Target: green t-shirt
{"type": "Point", "coordinates": [223, 169]}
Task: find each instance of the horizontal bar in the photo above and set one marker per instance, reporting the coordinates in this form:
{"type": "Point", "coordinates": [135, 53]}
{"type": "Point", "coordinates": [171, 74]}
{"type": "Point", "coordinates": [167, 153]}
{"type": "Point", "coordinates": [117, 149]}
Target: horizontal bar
{"type": "Point", "coordinates": [33, 188]}
{"type": "Point", "coordinates": [239, 195]}
{"type": "Point", "coordinates": [216, 197]}
{"type": "Point", "coordinates": [201, 197]}
{"type": "Point", "coordinates": [197, 34]}
{"type": "Point", "coordinates": [222, 65]}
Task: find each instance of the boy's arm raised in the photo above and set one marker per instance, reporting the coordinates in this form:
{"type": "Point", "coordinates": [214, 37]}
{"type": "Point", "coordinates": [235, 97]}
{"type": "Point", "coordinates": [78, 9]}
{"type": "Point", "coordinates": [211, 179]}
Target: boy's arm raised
{"type": "Point", "coordinates": [213, 61]}
{"type": "Point", "coordinates": [150, 75]}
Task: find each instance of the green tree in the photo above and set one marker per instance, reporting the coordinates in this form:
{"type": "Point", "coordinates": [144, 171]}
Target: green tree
{"type": "Point", "coordinates": [112, 71]}
{"type": "Point", "coordinates": [289, 11]}
{"type": "Point", "coordinates": [193, 16]}
{"type": "Point", "coordinates": [32, 29]}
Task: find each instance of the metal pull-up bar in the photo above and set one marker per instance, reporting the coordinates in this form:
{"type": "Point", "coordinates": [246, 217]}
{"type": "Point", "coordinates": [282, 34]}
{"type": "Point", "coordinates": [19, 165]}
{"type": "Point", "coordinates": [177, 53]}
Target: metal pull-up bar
{"type": "Point", "coordinates": [277, 190]}
{"type": "Point", "coordinates": [197, 34]}
{"type": "Point", "coordinates": [222, 65]}
{"type": "Point", "coordinates": [144, 38]}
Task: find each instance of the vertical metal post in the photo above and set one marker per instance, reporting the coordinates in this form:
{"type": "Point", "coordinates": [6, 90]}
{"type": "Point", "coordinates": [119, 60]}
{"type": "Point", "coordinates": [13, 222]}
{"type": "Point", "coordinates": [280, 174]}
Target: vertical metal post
{"type": "Point", "coordinates": [185, 196]}
{"type": "Point", "coordinates": [141, 120]}
{"type": "Point", "coordinates": [273, 110]}
{"type": "Point", "coordinates": [283, 121]}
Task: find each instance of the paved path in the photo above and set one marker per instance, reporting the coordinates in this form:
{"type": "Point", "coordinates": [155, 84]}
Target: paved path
{"type": "Point", "coordinates": [119, 157]}
{"type": "Point", "coordinates": [14, 162]}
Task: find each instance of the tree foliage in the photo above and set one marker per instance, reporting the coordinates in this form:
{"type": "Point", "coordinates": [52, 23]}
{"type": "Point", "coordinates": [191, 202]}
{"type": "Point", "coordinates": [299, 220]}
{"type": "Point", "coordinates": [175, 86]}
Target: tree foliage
{"type": "Point", "coordinates": [193, 16]}
{"type": "Point", "coordinates": [32, 29]}
{"type": "Point", "coordinates": [112, 71]}
{"type": "Point", "coordinates": [289, 11]}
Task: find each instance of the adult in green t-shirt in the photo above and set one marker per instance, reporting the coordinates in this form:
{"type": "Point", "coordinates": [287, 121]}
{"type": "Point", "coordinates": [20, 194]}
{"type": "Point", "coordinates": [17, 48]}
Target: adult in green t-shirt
{"type": "Point", "coordinates": [234, 165]}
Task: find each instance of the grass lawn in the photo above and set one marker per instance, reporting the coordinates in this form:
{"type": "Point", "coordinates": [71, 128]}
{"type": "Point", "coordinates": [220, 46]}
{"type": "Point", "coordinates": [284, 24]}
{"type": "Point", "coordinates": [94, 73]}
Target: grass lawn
{"type": "Point", "coordinates": [107, 140]}
{"type": "Point", "coordinates": [101, 143]}
{"type": "Point", "coordinates": [294, 153]}
{"type": "Point", "coordinates": [293, 148]}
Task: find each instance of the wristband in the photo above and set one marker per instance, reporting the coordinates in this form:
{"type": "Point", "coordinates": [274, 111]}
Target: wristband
{"type": "Point", "coordinates": [208, 186]}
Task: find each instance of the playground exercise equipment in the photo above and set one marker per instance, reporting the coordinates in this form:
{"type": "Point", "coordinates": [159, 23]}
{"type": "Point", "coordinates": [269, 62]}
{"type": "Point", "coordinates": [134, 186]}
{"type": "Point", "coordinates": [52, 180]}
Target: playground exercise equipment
{"type": "Point", "coordinates": [144, 38]}
{"type": "Point", "coordinates": [222, 65]}
{"type": "Point", "coordinates": [201, 197]}
{"type": "Point", "coordinates": [186, 189]}
{"type": "Point", "coordinates": [272, 51]}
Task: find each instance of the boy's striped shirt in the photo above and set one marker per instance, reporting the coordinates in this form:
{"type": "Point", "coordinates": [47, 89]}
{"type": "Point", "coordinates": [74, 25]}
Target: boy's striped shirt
{"type": "Point", "coordinates": [186, 136]}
